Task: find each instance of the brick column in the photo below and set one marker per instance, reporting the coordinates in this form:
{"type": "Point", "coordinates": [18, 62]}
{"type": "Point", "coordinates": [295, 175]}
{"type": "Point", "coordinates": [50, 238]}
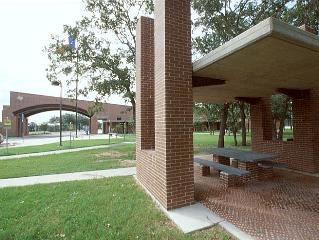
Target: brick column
{"type": "Point", "coordinates": [221, 160]}
{"type": "Point", "coordinates": [229, 180]}
{"type": "Point", "coordinates": [7, 112]}
{"type": "Point", "coordinates": [25, 127]}
{"type": "Point", "coordinates": [306, 132]}
{"type": "Point", "coordinates": [261, 123]}
{"type": "Point", "coordinates": [94, 125]}
{"type": "Point", "coordinates": [252, 168]}
{"type": "Point", "coordinates": [105, 127]}
{"type": "Point", "coordinates": [148, 171]}
{"type": "Point", "coordinates": [145, 120]}
{"type": "Point", "coordinates": [173, 102]}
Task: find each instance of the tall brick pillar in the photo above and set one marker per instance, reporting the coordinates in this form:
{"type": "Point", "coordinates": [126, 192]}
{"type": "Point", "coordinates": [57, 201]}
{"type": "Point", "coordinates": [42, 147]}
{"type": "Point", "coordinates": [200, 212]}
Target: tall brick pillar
{"type": "Point", "coordinates": [145, 123]}
{"type": "Point", "coordinates": [148, 171]}
{"type": "Point", "coordinates": [25, 127]}
{"type": "Point", "coordinates": [306, 132]}
{"type": "Point", "coordinates": [261, 123]}
{"type": "Point", "coordinates": [94, 125]}
{"type": "Point", "coordinates": [173, 102]}
{"type": "Point", "coordinates": [7, 113]}
{"type": "Point", "coordinates": [105, 128]}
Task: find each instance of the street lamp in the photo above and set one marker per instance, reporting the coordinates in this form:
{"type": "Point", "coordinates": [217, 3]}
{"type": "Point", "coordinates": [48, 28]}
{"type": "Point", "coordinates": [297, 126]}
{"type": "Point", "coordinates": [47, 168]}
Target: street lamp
{"type": "Point", "coordinates": [57, 83]}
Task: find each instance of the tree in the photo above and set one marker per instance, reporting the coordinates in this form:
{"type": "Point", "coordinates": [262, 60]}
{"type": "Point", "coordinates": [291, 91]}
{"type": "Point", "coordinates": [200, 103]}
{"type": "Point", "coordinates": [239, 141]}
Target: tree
{"type": "Point", "coordinates": [280, 112]}
{"type": "Point", "coordinates": [243, 107]}
{"type": "Point", "coordinates": [106, 48]}
{"type": "Point", "coordinates": [210, 112]}
{"type": "Point", "coordinates": [222, 20]}
{"type": "Point", "coordinates": [304, 12]}
{"type": "Point", "coordinates": [234, 113]}
{"type": "Point", "coordinates": [223, 124]}
{"type": "Point", "coordinates": [68, 118]}
{"type": "Point", "coordinates": [44, 127]}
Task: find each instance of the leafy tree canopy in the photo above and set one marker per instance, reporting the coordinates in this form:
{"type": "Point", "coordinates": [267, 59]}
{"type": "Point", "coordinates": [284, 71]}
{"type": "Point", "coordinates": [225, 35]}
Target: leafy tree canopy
{"type": "Point", "coordinates": [105, 54]}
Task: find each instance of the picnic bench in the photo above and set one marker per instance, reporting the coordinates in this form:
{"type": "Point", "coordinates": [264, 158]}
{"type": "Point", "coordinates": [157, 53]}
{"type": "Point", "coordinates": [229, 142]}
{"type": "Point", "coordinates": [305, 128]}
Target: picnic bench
{"type": "Point", "coordinates": [221, 167]}
{"type": "Point", "coordinates": [249, 166]}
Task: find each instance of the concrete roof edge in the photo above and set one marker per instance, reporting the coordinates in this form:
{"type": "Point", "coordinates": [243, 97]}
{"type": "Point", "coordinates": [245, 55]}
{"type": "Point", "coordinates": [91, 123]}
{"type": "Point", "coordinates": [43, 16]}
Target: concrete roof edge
{"type": "Point", "coordinates": [252, 35]}
{"type": "Point", "coordinates": [295, 35]}
{"type": "Point", "coordinates": [269, 27]}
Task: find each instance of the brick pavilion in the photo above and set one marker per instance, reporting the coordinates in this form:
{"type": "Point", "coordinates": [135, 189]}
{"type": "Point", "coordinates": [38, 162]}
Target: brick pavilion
{"type": "Point", "coordinates": [271, 57]}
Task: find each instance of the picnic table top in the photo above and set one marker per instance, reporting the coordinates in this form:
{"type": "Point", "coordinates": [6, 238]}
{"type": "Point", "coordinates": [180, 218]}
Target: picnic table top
{"type": "Point", "coordinates": [244, 156]}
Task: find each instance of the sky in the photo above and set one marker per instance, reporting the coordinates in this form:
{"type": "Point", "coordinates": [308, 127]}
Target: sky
{"type": "Point", "coordinates": [25, 28]}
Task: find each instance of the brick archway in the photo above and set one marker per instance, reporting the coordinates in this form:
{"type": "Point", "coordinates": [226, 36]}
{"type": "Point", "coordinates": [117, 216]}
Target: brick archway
{"type": "Point", "coordinates": [24, 105]}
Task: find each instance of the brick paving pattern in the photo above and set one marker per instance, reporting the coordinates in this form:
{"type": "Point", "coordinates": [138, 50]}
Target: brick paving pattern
{"type": "Point", "coordinates": [283, 207]}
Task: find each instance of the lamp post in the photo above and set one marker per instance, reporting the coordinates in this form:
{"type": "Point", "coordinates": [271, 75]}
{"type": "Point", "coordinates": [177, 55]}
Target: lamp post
{"type": "Point", "coordinates": [72, 44]}
{"type": "Point", "coordinates": [76, 93]}
{"type": "Point", "coordinates": [57, 83]}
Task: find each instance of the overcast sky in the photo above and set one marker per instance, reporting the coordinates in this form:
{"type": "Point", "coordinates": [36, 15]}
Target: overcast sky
{"type": "Point", "coordinates": [25, 27]}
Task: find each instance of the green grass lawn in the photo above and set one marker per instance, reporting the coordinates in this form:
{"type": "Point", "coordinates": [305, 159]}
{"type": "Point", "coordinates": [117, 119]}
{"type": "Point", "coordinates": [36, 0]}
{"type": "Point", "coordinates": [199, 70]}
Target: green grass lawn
{"type": "Point", "coordinates": [98, 159]}
{"type": "Point", "coordinates": [66, 145]}
{"type": "Point", "coordinates": [204, 141]}
{"type": "Point", "coordinates": [105, 158]}
{"type": "Point", "coordinates": [114, 208]}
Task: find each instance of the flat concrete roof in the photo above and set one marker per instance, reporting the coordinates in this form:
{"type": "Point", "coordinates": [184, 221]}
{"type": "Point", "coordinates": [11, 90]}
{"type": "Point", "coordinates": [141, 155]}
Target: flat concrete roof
{"type": "Point", "coordinates": [256, 63]}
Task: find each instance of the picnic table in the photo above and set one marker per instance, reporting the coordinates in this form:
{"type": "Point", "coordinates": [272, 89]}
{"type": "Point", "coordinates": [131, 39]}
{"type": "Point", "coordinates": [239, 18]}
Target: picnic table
{"type": "Point", "coordinates": [252, 165]}
{"type": "Point", "coordinates": [243, 156]}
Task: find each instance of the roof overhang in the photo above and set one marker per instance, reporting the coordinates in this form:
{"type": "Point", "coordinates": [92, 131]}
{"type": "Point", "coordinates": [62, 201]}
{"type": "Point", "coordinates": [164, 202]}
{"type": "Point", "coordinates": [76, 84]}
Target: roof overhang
{"type": "Point", "coordinates": [258, 63]}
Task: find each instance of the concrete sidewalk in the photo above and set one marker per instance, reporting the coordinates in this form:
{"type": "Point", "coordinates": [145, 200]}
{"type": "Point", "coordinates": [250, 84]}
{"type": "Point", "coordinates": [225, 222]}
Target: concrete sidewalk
{"type": "Point", "coordinates": [61, 151]}
{"type": "Point", "coordinates": [65, 177]}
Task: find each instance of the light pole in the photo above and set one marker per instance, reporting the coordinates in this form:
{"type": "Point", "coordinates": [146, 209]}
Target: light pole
{"type": "Point", "coordinates": [76, 93]}
{"type": "Point", "coordinates": [57, 83]}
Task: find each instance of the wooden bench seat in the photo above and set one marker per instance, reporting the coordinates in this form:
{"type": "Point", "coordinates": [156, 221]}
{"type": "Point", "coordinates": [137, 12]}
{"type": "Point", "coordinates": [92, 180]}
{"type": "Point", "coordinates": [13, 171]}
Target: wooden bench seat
{"type": "Point", "coordinates": [227, 169]}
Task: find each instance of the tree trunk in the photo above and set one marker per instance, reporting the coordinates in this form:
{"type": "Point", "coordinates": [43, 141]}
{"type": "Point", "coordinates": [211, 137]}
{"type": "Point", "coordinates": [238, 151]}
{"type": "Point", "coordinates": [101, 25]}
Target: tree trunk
{"type": "Point", "coordinates": [281, 129]}
{"type": "Point", "coordinates": [243, 123]}
{"type": "Point", "coordinates": [209, 128]}
{"type": "Point", "coordinates": [274, 130]}
{"type": "Point", "coordinates": [235, 137]}
{"type": "Point", "coordinates": [132, 100]}
{"type": "Point", "coordinates": [282, 119]}
{"type": "Point", "coordinates": [223, 121]}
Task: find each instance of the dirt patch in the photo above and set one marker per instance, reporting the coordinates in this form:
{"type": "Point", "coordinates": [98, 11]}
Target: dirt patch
{"type": "Point", "coordinates": [128, 163]}
{"type": "Point", "coordinates": [111, 154]}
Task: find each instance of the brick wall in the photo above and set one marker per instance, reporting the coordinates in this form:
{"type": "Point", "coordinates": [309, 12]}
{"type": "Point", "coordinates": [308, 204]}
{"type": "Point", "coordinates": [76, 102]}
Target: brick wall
{"type": "Point", "coordinates": [165, 65]}
{"type": "Point", "coordinates": [300, 154]}
{"type": "Point", "coordinates": [149, 171]}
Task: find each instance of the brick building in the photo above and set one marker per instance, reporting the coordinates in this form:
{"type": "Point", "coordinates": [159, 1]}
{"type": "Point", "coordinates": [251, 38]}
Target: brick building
{"type": "Point", "coordinates": [271, 57]}
{"type": "Point", "coordinates": [24, 105]}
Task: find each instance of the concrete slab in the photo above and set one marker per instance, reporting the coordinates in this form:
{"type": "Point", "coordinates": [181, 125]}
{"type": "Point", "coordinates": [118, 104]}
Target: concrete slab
{"type": "Point", "coordinates": [65, 177]}
{"type": "Point", "coordinates": [236, 232]}
{"type": "Point", "coordinates": [256, 63]}
{"type": "Point", "coordinates": [193, 218]}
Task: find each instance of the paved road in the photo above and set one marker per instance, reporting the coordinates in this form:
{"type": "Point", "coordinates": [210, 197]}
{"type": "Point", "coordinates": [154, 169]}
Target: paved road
{"type": "Point", "coordinates": [65, 177]}
{"type": "Point", "coordinates": [51, 138]}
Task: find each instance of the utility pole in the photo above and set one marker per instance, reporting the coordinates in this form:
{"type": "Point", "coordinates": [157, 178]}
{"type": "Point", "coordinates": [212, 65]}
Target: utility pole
{"type": "Point", "coordinates": [59, 83]}
{"type": "Point", "coordinates": [76, 92]}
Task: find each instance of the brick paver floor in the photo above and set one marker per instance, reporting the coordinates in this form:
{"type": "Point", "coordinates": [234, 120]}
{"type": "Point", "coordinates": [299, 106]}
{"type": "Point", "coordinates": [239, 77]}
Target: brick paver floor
{"type": "Point", "coordinates": [284, 207]}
